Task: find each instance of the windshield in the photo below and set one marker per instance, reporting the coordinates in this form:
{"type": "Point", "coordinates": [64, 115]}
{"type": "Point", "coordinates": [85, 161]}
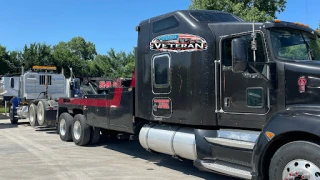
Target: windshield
{"type": "Point", "coordinates": [291, 44]}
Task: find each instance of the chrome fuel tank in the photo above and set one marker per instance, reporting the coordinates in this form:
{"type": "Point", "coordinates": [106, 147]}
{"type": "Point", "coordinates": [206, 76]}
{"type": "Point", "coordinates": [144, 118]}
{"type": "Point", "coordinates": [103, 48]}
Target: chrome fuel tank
{"type": "Point", "coordinates": [171, 140]}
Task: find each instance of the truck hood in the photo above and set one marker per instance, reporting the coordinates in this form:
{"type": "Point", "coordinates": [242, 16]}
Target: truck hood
{"type": "Point", "coordinates": [302, 83]}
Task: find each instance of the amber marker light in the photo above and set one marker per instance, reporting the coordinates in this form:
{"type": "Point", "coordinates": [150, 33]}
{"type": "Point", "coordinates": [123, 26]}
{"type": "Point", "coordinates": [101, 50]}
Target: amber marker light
{"type": "Point", "coordinates": [277, 20]}
{"type": "Point", "coordinates": [269, 135]}
{"type": "Point", "coordinates": [45, 67]}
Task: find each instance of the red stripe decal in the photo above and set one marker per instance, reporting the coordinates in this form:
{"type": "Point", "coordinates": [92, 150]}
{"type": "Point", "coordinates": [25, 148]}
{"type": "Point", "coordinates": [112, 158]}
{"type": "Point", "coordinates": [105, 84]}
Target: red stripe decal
{"type": "Point", "coordinates": [96, 102]}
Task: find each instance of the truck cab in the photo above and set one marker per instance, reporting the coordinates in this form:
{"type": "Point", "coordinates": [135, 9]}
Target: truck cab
{"type": "Point", "coordinates": [240, 96]}
{"type": "Point", "coordinates": [9, 86]}
{"type": "Point", "coordinates": [235, 97]}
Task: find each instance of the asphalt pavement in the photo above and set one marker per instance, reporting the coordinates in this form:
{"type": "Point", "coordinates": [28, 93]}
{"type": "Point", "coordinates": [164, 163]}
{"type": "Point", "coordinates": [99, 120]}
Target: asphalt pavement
{"type": "Point", "coordinates": [38, 153]}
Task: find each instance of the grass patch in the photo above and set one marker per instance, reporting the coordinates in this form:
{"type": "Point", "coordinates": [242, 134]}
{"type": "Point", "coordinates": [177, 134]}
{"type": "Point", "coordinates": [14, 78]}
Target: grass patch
{"type": "Point", "coordinates": [2, 109]}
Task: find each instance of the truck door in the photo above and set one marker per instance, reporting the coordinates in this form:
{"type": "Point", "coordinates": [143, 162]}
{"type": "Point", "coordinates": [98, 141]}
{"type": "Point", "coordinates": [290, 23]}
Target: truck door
{"type": "Point", "coordinates": [244, 97]}
{"type": "Point", "coordinates": [161, 85]}
{"type": "Point", "coordinates": [161, 69]}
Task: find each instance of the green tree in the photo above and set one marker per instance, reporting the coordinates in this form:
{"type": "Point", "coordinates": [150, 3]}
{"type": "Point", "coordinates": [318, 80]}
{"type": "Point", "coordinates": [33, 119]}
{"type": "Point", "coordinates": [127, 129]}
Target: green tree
{"type": "Point", "coordinates": [63, 57]}
{"type": "Point", "coordinates": [77, 53]}
{"type": "Point", "coordinates": [121, 63]}
{"type": "Point", "coordinates": [37, 54]}
{"type": "Point", "coordinates": [113, 64]}
{"type": "Point", "coordinates": [4, 60]}
{"type": "Point", "coordinates": [263, 10]}
{"type": "Point", "coordinates": [85, 50]}
{"type": "Point", "coordinates": [102, 66]}
{"type": "Point", "coordinates": [15, 59]}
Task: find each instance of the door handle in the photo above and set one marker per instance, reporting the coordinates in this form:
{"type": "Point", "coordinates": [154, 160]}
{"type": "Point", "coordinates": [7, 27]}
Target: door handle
{"type": "Point", "coordinates": [226, 102]}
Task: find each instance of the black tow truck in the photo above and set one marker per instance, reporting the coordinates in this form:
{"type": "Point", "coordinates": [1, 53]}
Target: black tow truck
{"type": "Point", "coordinates": [241, 98]}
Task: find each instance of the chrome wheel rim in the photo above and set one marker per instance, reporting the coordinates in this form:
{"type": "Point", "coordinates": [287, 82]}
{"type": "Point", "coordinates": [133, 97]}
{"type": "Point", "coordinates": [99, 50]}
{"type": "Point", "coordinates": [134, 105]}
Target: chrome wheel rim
{"type": "Point", "coordinates": [40, 114]}
{"type": "Point", "coordinates": [77, 130]}
{"type": "Point", "coordinates": [301, 169]}
{"type": "Point", "coordinates": [62, 127]}
{"type": "Point", "coordinates": [31, 115]}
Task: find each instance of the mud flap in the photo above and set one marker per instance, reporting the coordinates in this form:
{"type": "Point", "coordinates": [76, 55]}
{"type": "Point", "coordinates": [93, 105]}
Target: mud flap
{"type": "Point", "coordinates": [51, 117]}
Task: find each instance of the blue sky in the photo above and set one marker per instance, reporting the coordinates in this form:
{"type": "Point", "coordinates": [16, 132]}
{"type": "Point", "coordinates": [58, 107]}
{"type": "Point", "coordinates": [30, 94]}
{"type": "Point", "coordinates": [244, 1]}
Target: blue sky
{"type": "Point", "coordinates": [106, 23]}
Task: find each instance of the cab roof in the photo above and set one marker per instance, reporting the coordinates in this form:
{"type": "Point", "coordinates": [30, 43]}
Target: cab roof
{"type": "Point", "coordinates": [198, 15]}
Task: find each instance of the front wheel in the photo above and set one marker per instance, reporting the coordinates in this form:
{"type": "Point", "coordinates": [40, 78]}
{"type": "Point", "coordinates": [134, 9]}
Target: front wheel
{"type": "Point", "coordinates": [13, 119]}
{"type": "Point", "coordinates": [296, 160]}
{"type": "Point", "coordinates": [95, 135]}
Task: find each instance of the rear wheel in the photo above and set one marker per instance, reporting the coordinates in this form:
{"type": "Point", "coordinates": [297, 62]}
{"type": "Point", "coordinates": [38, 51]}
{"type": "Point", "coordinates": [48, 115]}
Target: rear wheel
{"type": "Point", "coordinates": [108, 134]}
{"type": "Point", "coordinates": [64, 126]}
{"type": "Point", "coordinates": [296, 160]}
{"type": "Point", "coordinates": [33, 115]}
{"type": "Point", "coordinates": [80, 131]}
{"type": "Point", "coordinates": [41, 112]}
{"type": "Point", "coordinates": [95, 135]}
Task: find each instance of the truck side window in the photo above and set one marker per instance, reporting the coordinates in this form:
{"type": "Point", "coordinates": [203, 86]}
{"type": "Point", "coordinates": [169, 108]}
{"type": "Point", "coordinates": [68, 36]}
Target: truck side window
{"type": "Point", "coordinates": [165, 24]}
{"type": "Point", "coordinates": [12, 82]}
{"type": "Point", "coordinates": [255, 97]}
{"type": "Point", "coordinates": [161, 69]}
{"type": "Point", "coordinates": [226, 53]}
{"type": "Point", "coordinates": [260, 56]}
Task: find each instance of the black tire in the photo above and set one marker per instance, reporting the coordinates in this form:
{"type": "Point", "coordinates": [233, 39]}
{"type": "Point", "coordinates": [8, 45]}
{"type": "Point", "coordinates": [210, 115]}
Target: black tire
{"type": "Point", "coordinates": [108, 134]}
{"type": "Point", "coordinates": [81, 131]}
{"type": "Point", "coordinates": [298, 150]}
{"type": "Point", "coordinates": [32, 113]}
{"type": "Point", "coordinates": [41, 112]}
{"type": "Point", "coordinates": [13, 119]}
{"type": "Point", "coordinates": [95, 135]}
{"type": "Point", "coordinates": [65, 122]}
{"type": "Point", "coordinates": [104, 134]}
